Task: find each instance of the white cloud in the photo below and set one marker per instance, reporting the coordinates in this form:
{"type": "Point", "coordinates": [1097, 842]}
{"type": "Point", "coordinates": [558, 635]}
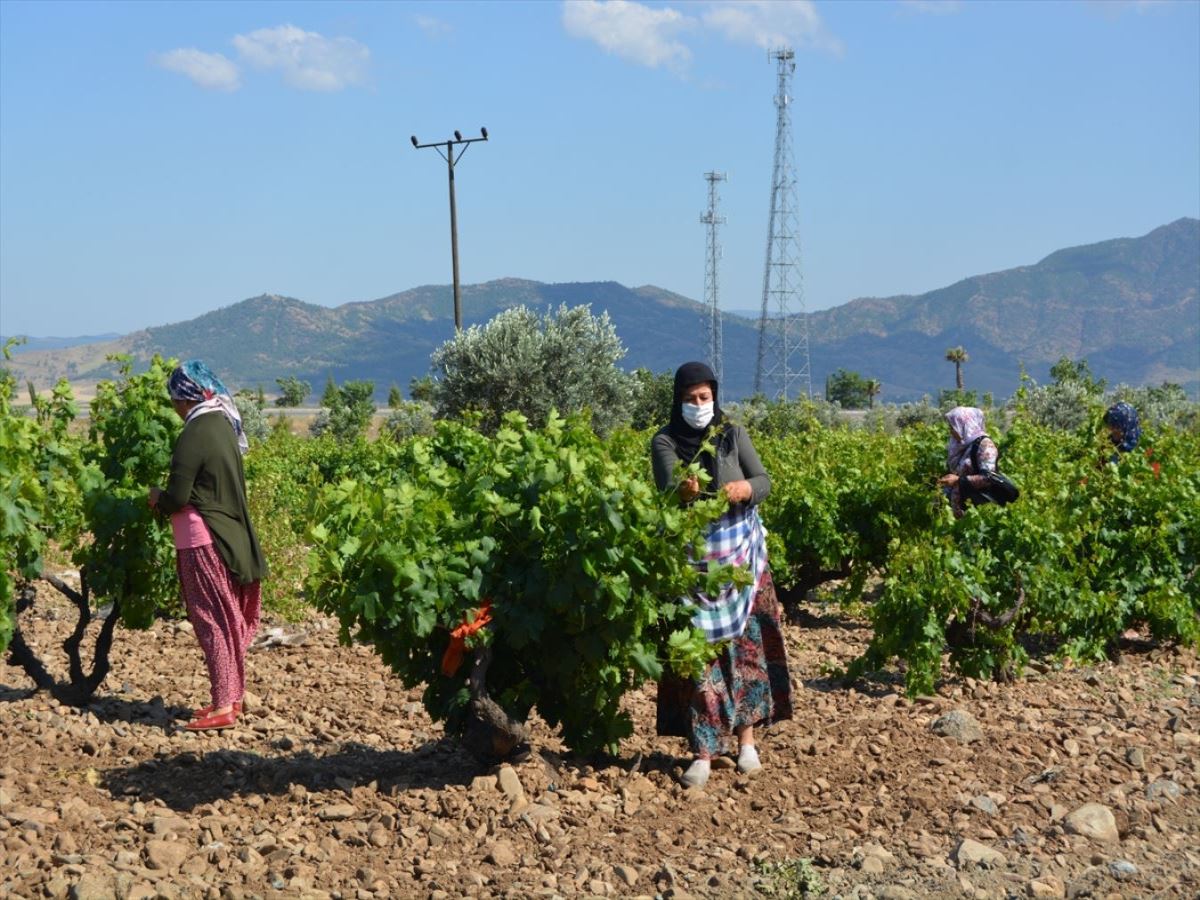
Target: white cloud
{"type": "Point", "coordinates": [208, 70]}
{"type": "Point", "coordinates": [308, 60]}
{"type": "Point", "coordinates": [936, 7]}
{"type": "Point", "coordinates": [653, 36]}
{"type": "Point", "coordinates": [771, 23]}
{"type": "Point", "coordinates": [434, 28]}
{"type": "Point", "coordinates": [631, 30]}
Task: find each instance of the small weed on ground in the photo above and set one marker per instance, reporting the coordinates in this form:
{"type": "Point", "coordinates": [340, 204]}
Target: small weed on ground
{"type": "Point", "coordinates": [789, 880]}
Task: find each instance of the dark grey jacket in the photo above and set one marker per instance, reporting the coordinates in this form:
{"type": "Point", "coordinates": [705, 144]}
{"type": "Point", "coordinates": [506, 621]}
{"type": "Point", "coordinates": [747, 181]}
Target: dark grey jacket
{"type": "Point", "coordinates": [737, 460]}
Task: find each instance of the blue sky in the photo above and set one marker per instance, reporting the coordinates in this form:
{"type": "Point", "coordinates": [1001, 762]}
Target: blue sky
{"type": "Point", "coordinates": [159, 160]}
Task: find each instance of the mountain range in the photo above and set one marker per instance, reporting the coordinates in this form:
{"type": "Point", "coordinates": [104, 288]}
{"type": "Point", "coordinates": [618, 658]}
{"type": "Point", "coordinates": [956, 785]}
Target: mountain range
{"type": "Point", "coordinates": [1130, 306]}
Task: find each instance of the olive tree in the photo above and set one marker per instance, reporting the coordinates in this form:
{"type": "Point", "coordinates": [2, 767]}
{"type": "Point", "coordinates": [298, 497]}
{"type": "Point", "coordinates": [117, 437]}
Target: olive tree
{"type": "Point", "coordinates": [564, 359]}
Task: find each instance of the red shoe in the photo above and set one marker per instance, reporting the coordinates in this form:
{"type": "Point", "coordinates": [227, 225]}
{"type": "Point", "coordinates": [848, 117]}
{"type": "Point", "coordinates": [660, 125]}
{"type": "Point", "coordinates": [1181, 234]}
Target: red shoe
{"type": "Point", "coordinates": [207, 710]}
{"type": "Point", "coordinates": [213, 723]}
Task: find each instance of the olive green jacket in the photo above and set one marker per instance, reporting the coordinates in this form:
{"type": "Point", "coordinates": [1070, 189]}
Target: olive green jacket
{"type": "Point", "coordinates": [206, 472]}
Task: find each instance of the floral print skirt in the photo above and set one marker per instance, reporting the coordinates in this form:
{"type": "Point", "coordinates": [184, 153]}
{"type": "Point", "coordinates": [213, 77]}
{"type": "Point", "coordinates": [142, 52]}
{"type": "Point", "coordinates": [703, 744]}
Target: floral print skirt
{"type": "Point", "coordinates": [225, 616]}
{"type": "Point", "coordinates": [747, 684]}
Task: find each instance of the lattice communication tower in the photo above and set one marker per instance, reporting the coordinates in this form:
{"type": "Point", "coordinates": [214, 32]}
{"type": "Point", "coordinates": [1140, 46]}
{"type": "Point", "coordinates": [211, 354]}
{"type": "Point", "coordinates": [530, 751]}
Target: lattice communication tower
{"type": "Point", "coordinates": [712, 315]}
{"type": "Point", "coordinates": [783, 369]}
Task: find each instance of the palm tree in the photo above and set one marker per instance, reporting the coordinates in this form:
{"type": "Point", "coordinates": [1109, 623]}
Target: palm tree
{"type": "Point", "coordinates": [958, 356]}
{"type": "Point", "coordinates": [874, 389]}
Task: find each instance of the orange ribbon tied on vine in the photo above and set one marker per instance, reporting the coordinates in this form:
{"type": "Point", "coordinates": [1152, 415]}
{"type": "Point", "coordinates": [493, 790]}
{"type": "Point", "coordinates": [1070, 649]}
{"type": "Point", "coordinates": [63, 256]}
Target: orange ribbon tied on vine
{"type": "Point", "coordinates": [1154, 466]}
{"type": "Point", "coordinates": [453, 656]}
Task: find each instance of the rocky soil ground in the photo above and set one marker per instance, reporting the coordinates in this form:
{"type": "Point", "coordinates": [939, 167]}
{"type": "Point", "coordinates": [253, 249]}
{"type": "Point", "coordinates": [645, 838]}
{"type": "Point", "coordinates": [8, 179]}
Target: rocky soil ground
{"type": "Point", "coordinates": [1075, 782]}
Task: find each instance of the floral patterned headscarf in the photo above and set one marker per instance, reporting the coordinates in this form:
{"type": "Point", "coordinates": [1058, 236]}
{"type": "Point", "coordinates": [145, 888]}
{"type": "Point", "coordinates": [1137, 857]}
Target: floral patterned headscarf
{"type": "Point", "coordinates": [1125, 417]}
{"type": "Point", "coordinates": [967, 424]}
{"type": "Point", "coordinates": [195, 382]}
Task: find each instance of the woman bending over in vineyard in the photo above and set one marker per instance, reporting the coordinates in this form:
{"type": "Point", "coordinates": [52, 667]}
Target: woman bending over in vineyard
{"type": "Point", "coordinates": [970, 456]}
{"type": "Point", "coordinates": [747, 685]}
{"type": "Point", "coordinates": [219, 561]}
{"type": "Point", "coordinates": [1124, 428]}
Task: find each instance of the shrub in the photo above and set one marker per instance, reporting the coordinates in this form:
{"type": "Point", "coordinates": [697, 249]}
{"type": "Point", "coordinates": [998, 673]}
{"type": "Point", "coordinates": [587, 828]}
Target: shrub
{"type": "Point", "coordinates": [581, 564]}
{"type": "Point", "coordinates": [348, 411]}
{"type": "Point", "coordinates": [784, 417]}
{"type": "Point", "coordinates": [653, 394]}
{"type": "Point", "coordinates": [910, 415]}
{"type": "Point", "coordinates": [250, 406]}
{"type": "Point", "coordinates": [847, 388]}
{"type": "Point", "coordinates": [564, 360]}
{"type": "Point", "coordinates": [292, 391]}
{"type": "Point", "coordinates": [409, 419]}
{"type": "Point", "coordinates": [1163, 406]}
{"type": "Point", "coordinates": [1066, 406]}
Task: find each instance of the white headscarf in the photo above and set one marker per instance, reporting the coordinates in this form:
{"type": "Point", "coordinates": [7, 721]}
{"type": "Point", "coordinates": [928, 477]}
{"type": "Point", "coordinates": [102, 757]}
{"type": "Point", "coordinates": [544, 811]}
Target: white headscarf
{"type": "Point", "coordinates": [967, 424]}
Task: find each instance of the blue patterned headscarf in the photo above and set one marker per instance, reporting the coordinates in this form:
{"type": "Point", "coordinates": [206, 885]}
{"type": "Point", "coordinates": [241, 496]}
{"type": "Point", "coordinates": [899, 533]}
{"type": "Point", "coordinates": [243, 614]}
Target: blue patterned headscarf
{"type": "Point", "coordinates": [195, 382]}
{"type": "Point", "coordinates": [1125, 417]}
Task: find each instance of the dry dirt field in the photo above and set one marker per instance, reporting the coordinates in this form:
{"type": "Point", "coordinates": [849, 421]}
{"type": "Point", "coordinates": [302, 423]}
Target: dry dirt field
{"type": "Point", "coordinates": [336, 784]}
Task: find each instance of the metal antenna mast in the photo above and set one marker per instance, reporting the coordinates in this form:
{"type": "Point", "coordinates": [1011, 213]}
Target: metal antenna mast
{"type": "Point", "coordinates": [783, 363]}
{"type": "Point", "coordinates": [713, 253]}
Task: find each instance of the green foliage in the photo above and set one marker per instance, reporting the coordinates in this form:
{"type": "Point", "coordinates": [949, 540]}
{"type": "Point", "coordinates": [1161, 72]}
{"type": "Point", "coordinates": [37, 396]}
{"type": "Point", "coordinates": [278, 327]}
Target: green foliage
{"type": "Point", "coordinates": [1063, 407]}
{"type": "Point", "coordinates": [839, 497]}
{"type": "Point", "coordinates": [1160, 406]}
{"type": "Point", "coordinates": [565, 360]}
{"type": "Point", "coordinates": [281, 474]}
{"type": "Point", "coordinates": [404, 537]}
{"type": "Point", "coordinates": [394, 398]}
{"type": "Point", "coordinates": [582, 560]}
{"type": "Point", "coordinates": [949, 399]}
{"type": "Point", "coordinates": [909, 415]}
{"type": "Point", "coordinates": [41, 476]}
{"type": "Point", "coordinates": [330, 395]}
{"type": "Point", "coordinates": [1077, 372]}
{"type": "Point", "coordinates": [422, 390]}
{"type": "Point", "coordinates": [348, 411]}
{"type": "Point", "coordinates": [250, 406]}
{"type": "Point", "coordinates": [847, 388]}
{"type": "Point", "coordinates": [783, 417]}
{"type": "Point", "coordinates": [1066, 405]}
{"type": "Point", "coordinates": [653, 394]}
{"type": "Point", "coordinates": [131, 557]}
{"type": "Point", "coordinates": [1094, 548]}
{"type": "Point", "coordinates": [292, 391]}
{"type": "Point", "coordinates": [791, 879]}
{"type": "Point", "coordinates": [409, 419]}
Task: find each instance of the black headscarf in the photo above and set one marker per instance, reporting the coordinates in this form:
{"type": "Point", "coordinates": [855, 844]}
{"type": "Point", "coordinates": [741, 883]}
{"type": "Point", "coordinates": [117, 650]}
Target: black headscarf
{"type": "Point", "coordinates": [688, 439]}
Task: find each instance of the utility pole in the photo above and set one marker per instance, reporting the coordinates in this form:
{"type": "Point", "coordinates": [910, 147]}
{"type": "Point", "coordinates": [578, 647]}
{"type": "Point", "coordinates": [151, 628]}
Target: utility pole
{"type": "Point", "coordinates": [451, 162]}
{"type": "Point", "coordinates": [783, 326]}
{"type": "Point", "coordinates": [713, 314]}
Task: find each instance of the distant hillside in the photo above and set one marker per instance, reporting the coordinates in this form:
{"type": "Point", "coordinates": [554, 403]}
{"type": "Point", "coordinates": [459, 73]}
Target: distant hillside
{"type": "Point", "coordinates": [1130, 306]}
{"type": "Point", "coordinates": [56, 343]}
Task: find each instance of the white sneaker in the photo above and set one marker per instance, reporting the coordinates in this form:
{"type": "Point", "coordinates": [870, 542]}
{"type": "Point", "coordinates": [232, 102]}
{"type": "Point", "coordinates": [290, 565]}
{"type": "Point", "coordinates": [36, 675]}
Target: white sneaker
{"type": "Point", "coordinates": [697, 774]}
{"type": "Point", "coordinates": [748, 760]}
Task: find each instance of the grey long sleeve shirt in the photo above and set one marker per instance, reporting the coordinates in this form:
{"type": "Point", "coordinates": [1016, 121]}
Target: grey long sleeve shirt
{"type": "Point", "coordinates": [737, 460]}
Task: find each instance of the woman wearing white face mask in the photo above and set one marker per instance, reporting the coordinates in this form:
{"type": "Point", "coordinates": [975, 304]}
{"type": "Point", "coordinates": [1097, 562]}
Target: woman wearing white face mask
{"type": "Point", "coordinates": [747, 684]}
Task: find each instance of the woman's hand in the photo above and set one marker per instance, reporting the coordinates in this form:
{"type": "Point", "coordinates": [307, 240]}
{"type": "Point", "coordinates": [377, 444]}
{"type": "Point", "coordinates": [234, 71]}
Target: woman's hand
{"type": "Point", "coordinates": [153, 496]}
{"type": "Point", "coordinates": [738, 491]}
{"type": "Point", "coordinates": [949, 480]}
{"type": "Point", "coordinates": [690, 489]}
